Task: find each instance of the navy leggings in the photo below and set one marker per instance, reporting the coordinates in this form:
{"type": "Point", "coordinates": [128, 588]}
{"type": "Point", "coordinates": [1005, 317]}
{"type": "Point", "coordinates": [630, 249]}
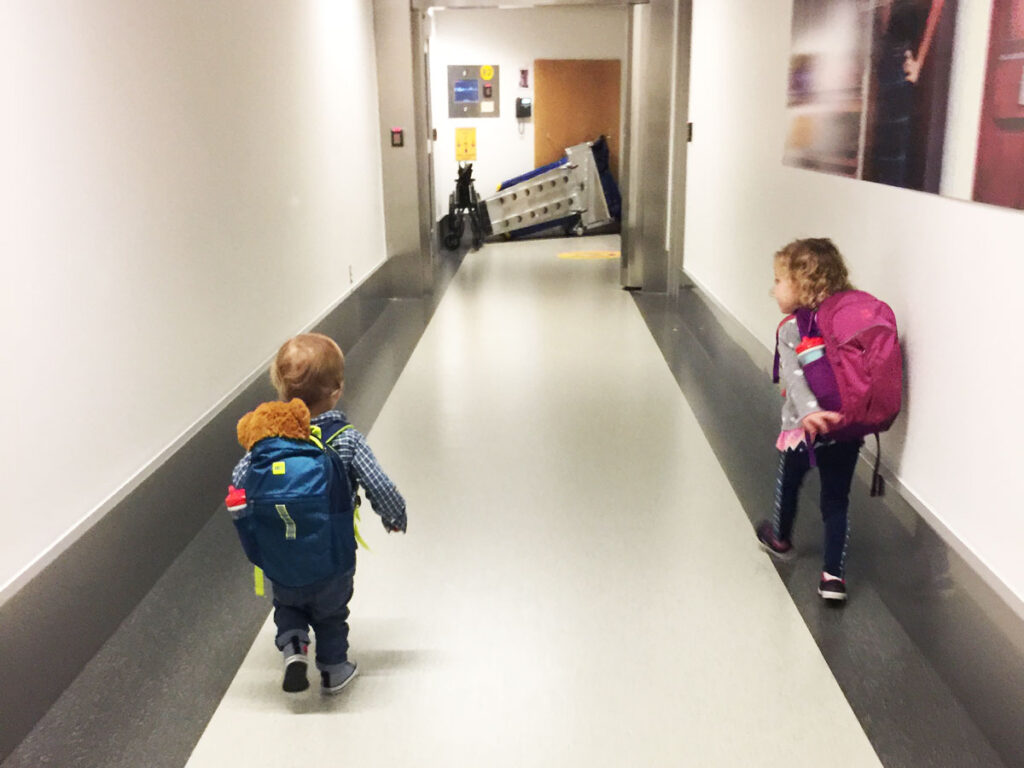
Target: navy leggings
{"type": "Point", "coordinates": [836, 464]}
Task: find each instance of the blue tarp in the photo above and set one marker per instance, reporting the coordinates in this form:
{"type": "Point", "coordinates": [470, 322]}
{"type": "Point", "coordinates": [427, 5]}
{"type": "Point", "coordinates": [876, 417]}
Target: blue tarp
{"type": "Point", "coordinates": [531, 174]}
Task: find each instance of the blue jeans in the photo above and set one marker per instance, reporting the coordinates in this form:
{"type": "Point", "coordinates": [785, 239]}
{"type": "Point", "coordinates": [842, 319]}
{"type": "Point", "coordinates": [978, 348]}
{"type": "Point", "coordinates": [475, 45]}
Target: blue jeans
{"type": "Point", "coordinates": [322, 606]}
{"type": "Point", "coordinates": [836, 464]}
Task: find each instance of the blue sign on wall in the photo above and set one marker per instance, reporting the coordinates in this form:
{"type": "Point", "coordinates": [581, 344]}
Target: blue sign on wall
{"type": "Point", "coordinates": [467, 91]}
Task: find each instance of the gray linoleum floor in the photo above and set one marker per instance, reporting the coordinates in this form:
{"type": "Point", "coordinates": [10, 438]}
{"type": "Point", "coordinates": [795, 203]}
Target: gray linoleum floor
{"type": "Point", "coordinates": [579, 585]}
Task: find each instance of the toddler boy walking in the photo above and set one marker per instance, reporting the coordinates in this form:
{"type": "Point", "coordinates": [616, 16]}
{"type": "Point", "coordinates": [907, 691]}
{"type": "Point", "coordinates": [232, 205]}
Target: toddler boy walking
{"type": "Point", "coordinates": [311, 367]}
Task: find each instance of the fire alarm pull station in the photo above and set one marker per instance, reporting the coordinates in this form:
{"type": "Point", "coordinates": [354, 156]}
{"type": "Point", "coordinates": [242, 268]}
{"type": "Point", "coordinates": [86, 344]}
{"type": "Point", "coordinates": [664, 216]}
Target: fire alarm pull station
{"type": "Point", "coordinates": [397, 137]}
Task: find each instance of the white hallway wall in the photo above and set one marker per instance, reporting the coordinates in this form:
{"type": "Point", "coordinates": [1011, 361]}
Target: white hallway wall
{"type": "Point", "coordinates": [510, 39]}
{"type": "Point", "coordinates": [185, 184]}
{"type": "Point", "coordinates": [951, 269]}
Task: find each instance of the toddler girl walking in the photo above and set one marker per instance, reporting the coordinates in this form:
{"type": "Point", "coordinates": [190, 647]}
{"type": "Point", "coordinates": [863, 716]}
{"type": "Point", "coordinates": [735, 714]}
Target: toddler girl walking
{"type": "Point", "coordinates": [806, 273]}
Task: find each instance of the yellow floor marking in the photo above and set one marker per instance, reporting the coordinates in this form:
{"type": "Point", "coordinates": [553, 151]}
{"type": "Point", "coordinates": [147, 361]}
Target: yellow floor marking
{"type": "Point", "coordinates": [589, 255]}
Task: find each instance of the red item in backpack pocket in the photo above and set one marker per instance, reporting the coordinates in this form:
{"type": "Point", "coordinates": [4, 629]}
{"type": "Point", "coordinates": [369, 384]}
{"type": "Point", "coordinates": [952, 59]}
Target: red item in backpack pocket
{"type": "Point", "coordinates": [814, 362]}
{"type": "Point", "coordinates": [235, 501]}
{"type": "Point", "coordinates": [810, 349]}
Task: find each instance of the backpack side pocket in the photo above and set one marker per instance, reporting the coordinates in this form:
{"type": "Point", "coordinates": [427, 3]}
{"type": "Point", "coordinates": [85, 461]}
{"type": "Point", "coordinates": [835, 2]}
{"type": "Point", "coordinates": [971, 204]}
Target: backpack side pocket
{"type": "Point", "coordinates": [247, 535]}
{"type": "Point", "coordinates": [818, 372]}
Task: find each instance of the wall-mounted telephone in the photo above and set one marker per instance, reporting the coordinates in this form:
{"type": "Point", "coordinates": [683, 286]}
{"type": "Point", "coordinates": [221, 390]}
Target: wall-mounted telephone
{"type": "Point", "coordinates": [524, 107]}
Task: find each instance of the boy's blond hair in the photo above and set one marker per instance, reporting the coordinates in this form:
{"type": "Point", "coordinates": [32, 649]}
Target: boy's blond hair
{"type": "Point", "coordinates": [310, 367]}
{"type": "Point", "coordinates": [817, 269]}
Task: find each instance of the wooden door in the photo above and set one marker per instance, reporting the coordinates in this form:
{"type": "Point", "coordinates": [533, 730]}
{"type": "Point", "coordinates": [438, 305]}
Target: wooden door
{"type": "Point", "coordinates": [999, 175]}
{"type": "Point", "coordinates": [575, 100]}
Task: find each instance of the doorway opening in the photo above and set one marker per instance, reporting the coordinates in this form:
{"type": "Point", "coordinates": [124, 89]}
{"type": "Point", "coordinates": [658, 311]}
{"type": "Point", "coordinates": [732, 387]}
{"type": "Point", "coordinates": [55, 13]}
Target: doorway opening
{"type": "Point", "coordinates": [521, 95]}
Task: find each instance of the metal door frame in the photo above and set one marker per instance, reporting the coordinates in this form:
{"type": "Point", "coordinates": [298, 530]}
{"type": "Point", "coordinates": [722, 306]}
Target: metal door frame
{"type": "Point", "coordinates": [653, 223]}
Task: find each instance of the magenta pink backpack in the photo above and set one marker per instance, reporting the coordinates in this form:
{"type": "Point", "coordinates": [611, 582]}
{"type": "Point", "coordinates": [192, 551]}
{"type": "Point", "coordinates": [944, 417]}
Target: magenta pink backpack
{"type": "Point", "coordinates": [861, 373]}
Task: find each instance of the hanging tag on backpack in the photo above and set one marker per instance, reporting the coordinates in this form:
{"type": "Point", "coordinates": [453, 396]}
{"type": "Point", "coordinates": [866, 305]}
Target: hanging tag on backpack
{"type": "Point", "coordinates": [257, 581]}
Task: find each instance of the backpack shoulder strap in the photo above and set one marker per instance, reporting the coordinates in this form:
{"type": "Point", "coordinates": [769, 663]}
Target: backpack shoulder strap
{"type": "Point", "coordinates": [328, 431]}
{"type": "Point", "coordinates": [877, 481]}
{"type": "Point", "coordinates": [775, 366]}
{"type": "Point", "coordinates": [330, 439]}
{"type": "Point", "coordinates": [332, 429]}
{"type": "Point", "coordinates": [806, 323]}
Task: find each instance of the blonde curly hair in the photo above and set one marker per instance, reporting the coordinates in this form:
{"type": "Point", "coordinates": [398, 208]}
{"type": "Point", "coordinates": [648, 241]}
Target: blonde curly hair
{"type": "Point", "coordinates": [816, 268]}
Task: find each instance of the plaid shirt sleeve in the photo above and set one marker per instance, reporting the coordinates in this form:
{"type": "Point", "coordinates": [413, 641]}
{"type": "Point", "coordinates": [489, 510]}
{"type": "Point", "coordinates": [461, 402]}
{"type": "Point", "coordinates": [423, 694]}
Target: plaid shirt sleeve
{"type": "Point", "coordinates": [240, 470]}
{"type": "Point", "coordinates": [387, 502]}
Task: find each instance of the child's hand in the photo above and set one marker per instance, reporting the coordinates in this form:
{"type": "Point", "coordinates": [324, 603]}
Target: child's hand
{"type": "Point", "coordinates": [821, 422]}
{"type": "Point", "coordinates": [395, 526]}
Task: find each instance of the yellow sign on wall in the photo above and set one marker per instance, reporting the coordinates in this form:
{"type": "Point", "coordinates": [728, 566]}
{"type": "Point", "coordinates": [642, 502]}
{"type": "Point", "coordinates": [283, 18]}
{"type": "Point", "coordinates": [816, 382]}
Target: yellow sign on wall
{"type": "Point", "coordinates": [486, 72]}
{"type": "Point", "coordinates": [465, 144]}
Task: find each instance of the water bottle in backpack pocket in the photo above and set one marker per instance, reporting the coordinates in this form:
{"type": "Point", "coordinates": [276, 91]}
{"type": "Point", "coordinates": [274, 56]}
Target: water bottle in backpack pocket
{"type": "Point", "coordinates": [818, 371]}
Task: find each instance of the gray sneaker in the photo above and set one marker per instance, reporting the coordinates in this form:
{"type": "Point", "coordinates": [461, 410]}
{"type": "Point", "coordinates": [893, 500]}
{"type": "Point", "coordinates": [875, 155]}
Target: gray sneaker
{"type": "Point", "coordinates": [295, 662]}
{"type": "Point", "coordinates": [331, 683]}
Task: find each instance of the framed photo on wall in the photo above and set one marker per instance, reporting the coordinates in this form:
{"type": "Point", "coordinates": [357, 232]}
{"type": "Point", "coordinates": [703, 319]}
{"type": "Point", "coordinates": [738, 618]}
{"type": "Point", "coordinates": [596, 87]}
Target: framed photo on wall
{"type": "Point", "coordinates": [868, 89]}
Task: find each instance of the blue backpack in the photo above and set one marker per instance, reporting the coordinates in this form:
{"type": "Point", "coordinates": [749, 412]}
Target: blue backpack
{"type": "Point", "coordinates": [294, 513]}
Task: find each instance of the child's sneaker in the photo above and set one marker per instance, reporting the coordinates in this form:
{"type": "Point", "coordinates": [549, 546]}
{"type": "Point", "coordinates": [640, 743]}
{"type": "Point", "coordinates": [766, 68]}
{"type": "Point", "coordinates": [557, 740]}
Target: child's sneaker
{"type": "Point", "coordinates": [832, 588]}
{"type": "Point", "coordinates": [773, 545]}
{"type": "Point", "coordinates": [332, 682]}
{"type": "Point", "coordinates": [295, 663]}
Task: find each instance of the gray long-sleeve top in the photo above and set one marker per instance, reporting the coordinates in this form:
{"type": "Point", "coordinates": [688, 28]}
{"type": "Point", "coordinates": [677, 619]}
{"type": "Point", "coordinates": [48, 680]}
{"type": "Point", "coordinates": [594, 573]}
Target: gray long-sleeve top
{"type": "Point", "coordinates": [798, 398]}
